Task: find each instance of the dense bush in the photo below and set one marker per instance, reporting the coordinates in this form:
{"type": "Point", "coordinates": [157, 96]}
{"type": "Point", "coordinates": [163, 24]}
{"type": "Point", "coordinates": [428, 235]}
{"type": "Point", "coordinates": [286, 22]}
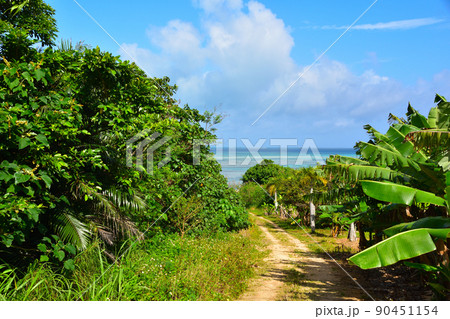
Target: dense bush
{"type": "Point", "coordinates": [262, 172]}
{"type": "Point", "coordinates": [253, 195]}
{"type": "Point", "coordinates": [285, 186]}
{"type": "Point", "coordinates": [66, 116]}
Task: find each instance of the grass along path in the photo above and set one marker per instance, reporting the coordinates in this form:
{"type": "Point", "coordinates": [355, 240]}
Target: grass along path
{"type": "Point", "coordinates": [294, 272]}
{"type": "Point", "coordinates": [164, 267]}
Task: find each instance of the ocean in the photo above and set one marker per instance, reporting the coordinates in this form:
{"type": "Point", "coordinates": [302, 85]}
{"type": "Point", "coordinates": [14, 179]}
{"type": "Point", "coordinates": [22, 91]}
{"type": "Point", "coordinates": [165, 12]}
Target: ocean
{"type": "Point", "coordinates": [236, 161]}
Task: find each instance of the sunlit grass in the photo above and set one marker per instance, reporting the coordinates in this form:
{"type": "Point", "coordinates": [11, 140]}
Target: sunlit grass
{"type": "Point", "coordinates": [163, 268]}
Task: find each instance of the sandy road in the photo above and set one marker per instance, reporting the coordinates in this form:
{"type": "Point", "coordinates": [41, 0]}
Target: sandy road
{"type": "Point", "coordinates": [292, 272]}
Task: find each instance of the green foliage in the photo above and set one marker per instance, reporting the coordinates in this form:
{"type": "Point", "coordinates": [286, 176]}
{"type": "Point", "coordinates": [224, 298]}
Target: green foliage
{"type": "Point", "coordinates": [55, 250]}
{"type": "Point", "coordinates": [66, 116]}
{"type": "Point", "coordinates": [211, 120]}
{"type": "Point", "coordinates": [405, 245]}
{"type": "Point", "coordinates": [438, 277]}
{"type": "Point", "coordinates": [406, 168]}
{"type": "Point", "coordinates": [284, 185]}
{"type": "Point", "coordinates": [162, 268]}
{"type": "Point", "coordinates": [399, 194]}
{"type": "Point", "coordinates": [341, 215]}
{"type": "Point", "coordinates": [427, 222]}
{"type": "Point", "coordinates": [24, 23]}
{"type": "Point", "coordinates": [294, 187]}
{"type": "Point", "coordinates": [253, 195]}
{"type": "Point", "coordinates": [262, 172]}
{"type": "Point", "coordinates": [434, 138]}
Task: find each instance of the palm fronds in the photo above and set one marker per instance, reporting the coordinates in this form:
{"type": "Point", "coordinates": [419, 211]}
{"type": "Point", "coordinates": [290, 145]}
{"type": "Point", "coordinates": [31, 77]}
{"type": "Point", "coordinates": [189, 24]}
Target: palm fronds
{"type": "Point", "coordinates": [72, 230]}
{"type": "Point", "coordinates": [107, 207]}
{"type": "Point", "coordinates": [131, 201]}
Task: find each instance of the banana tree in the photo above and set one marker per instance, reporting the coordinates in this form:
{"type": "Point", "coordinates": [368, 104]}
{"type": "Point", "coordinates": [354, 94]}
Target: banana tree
{"type": "Point", "coordinates": [344, 215]}
{"type": "Point", "coordinates": [398, 163]}
{"type": "Point", "coordinates": [407, 166]}
{"type": "Point", "coordinates": [410, 240]}
{"type": "Point", "coordinates": [408, 244]}
{"type": "Point", "coordinates": [434, 138]}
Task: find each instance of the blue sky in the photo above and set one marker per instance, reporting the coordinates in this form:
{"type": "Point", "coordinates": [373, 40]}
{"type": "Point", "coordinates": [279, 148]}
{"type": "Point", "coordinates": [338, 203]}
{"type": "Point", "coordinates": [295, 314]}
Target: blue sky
{"type": "Point", "coordinates": [239, 56]}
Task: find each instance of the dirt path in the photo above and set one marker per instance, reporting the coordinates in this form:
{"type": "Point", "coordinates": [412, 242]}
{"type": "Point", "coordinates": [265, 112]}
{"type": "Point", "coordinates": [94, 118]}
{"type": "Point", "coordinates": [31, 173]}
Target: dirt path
{"type": "Point", "coordinates": [294, 273]}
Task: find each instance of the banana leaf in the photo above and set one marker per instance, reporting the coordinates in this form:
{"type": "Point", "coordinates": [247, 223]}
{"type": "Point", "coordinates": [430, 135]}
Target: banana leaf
{"type": "Point", "coordinates": [338, 159]}
{"type": "Point", "coordinates": [444, 162]}
{"type": "Point", "coordinates": [424, 267]}
{"type": "Point", "coordinates": [432, 117]}
{"type": "Point", "coordinates": [399, 194]}
{"type": "Point", "coordinates": [375, 135]}
{"type": "Point", "coordinates": [352, 172]}
{"type": "Point", "coordinates": [427, 222]}
{"type": "Point", "coordinates": [385, 155]}
{"type": "Point", "coordinates": [447, 188]}
{"type": "Point", "coordinates": [417, 119]}
{"type": "Point", "coordinates": [443, 112]}
{"type": "Point", "coordinates": [405, 147]}
{"type": "Point", "coordinates": [405, 245]}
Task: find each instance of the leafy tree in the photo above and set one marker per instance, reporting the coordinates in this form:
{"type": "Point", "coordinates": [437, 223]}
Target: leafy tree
{"type": "Point", "coordinates": [294, 188]}
{"type": "Point", "coordinates": [66, 116]}
{"type": "Point", "coordinates": [23, 24]}
{"type": "Point", "coordinates": [262, 172]}
{"type": "Point", "coordinates": [253, 195]}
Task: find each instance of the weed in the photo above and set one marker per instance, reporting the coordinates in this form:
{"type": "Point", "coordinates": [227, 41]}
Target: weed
{"type": "Point", "coordinates": [167, 267]}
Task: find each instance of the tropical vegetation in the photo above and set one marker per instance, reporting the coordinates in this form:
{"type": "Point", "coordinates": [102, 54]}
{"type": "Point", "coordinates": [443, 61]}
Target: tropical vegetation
{"type": "Point", "coordinates": [74, 121]}
{"type": "Point", "coordinates": [281, 190]}
{"type": "Point", "coordinates": [84, 217]}
{"type": "Point", "coordinates": [395, 193]}
{"type": "Point", "coordinates": [400, 188]}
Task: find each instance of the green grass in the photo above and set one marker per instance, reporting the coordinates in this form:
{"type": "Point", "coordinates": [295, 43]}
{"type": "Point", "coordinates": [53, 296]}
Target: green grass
{"type": "Point", "coordinates": [163, 268]}
{"type": "Point", "coordinates": [297, 287]}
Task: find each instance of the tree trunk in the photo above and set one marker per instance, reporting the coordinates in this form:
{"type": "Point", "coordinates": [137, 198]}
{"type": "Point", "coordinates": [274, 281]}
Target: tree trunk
{"type": "Point", "coordinates": [312, 214]}
{"type": "Point", "coordinates": [276, 202]}
{"type": "Point", "coordinates": [283, 212]}
{"type": "Point", "coordinates": [352, 232]}
{"type": "Point", "coordinates": [362, 237]}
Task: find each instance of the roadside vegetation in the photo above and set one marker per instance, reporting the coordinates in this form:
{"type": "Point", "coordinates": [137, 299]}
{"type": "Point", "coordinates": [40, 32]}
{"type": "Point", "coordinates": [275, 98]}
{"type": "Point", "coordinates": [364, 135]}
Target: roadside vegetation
{"type": "Point", "coordinates": [162, 268]}
{"type": "Point", "coordinates": [393, 197]}
{"type": "Point", "coordinates": [80, 216]}
{"type": "Point", "coordinates": [83, 218]}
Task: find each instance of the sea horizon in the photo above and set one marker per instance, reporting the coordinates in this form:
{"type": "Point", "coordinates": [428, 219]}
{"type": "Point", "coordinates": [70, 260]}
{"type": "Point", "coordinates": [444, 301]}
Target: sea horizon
{"type": "Point", "coordinates": [236, 161]}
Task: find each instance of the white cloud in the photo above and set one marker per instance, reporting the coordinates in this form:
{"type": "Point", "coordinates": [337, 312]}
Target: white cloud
{"type": "Point", "coordinates": [181, 42]}
{"type": "Point", "coordinates": [145, 59]}
{"type": "Point", "coordinates": [240, 58]}
{"type": "Point", "coordinates": [177, 37]}
{"type": "Point", "coordinates": [217, 6]}
{"type": "Point", "coordinates": [392, 25]}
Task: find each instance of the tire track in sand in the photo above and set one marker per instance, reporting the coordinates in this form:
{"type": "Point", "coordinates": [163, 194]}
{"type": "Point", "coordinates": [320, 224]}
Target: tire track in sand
{"type": "Point", "coordinates": [295, 273]}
